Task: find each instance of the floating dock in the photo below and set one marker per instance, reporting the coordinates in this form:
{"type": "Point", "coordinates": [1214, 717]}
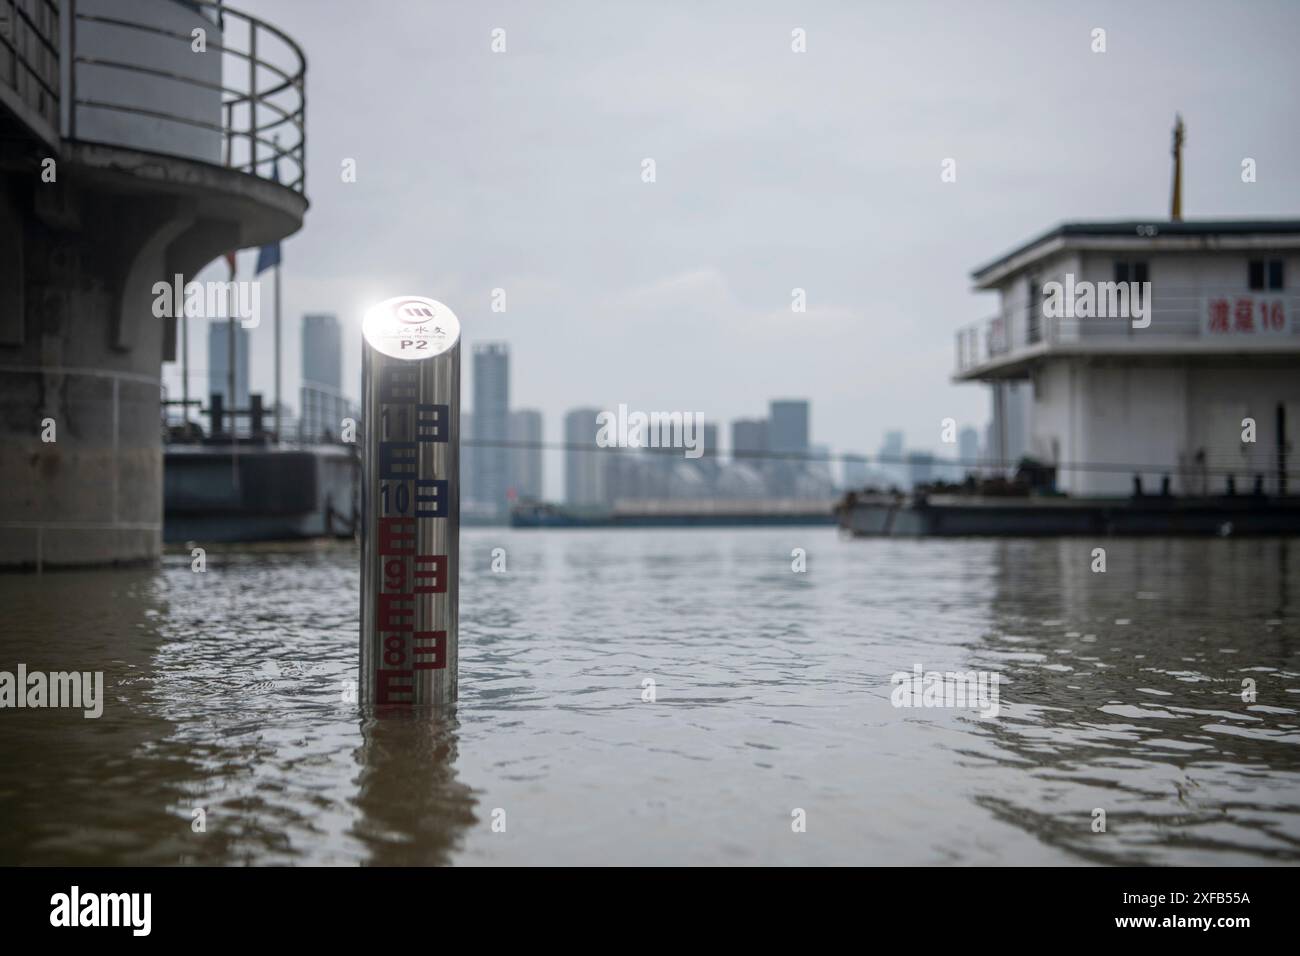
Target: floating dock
{"type": "Point", "coordinates": [262, 493]}
{"type": "Point", "coordinates": [677, 514]}
{"type": "Point", "coordinates": [953, 515]}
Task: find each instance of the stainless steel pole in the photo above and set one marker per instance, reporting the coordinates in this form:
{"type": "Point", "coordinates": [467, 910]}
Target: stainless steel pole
{"type": "Point", "coordinates": [278, 401]}
{"type": "Point", "coordinates": [185, 374]}
{"type": "Point", "coordinates": [231, 383]}
{"type": "Point", "coordinates": [410, 505]}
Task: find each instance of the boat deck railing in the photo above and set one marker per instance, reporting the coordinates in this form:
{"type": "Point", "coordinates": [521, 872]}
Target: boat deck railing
{"type": "Point", "coordinates": [1196, 318]}
{"type": "Point", "coordinates": [322, 420]}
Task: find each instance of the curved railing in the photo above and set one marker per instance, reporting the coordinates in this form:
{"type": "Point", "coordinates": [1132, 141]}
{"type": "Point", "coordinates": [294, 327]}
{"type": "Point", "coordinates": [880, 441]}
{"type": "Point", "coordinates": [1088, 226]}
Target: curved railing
{"type": "Point", "coordinates": [261, 86]}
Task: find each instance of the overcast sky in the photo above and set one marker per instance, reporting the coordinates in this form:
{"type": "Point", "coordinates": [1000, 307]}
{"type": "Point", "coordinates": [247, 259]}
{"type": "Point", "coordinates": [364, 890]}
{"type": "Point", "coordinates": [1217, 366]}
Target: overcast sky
{"type": "Point", "coordinates": [775, 170]}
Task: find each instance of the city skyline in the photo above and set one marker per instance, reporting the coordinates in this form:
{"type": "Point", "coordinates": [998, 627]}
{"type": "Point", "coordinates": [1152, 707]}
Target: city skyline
{"type": "Point", "coordinates": [882, 247]}
{"type": "Point", "coordinates": [498, 475]}
{"type": "Point", "coordinates": [324, 355]}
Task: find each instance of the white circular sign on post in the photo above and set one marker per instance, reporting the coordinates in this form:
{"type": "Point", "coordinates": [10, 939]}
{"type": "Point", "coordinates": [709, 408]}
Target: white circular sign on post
{"type": "Point", "coordinates": [410, 327]}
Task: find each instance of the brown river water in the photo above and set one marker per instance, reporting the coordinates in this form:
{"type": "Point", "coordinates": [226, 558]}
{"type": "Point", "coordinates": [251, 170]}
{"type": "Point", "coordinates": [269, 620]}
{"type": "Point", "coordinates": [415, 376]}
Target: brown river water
{"type": "Point", "coordinates": [771, 738]}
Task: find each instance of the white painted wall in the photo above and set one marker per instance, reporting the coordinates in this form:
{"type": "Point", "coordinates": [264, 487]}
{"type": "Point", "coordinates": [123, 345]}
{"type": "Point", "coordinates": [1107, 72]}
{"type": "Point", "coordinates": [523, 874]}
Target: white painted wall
{"type": "Point", "coordinates": [1180, 283]}
{"type": "Point", "coordinates": [1219, 398]}
{"type": "Point", "coordinates": [1135, 416]}
{"type": "Point", "coordinates": [1051, 438]}
{"type": "Point", "coordinates": [1127, 414]}
{"type": "Point", "coordinates": [1012, 406]}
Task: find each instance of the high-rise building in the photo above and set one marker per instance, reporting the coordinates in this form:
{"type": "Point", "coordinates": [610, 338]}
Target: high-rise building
{"type": "Point", "coordinates": [584, 470]}
{"type": "Point", "coordinates": [787, 439]}
{"type": "Point", "coordinates": [710, 462]}
{"type": "Point", "coordinates": [322, 406]}
{"type": "Point", "coordinates": [322, 350]}
{"type": "Point", "coordinates": [526, 454]}
{"type": "Point", "coordinates": [468, 460]}
{"type": "Point", "coordinates": [708, 439]}
{"type": "Point", "coordinates": [788, 428]}
{"type": "Point", "coordinates": [219, 363]}
{"type": "Point", "coordinates": [492, 425]}
{"type": "Point", "coordinates": [749, 440]}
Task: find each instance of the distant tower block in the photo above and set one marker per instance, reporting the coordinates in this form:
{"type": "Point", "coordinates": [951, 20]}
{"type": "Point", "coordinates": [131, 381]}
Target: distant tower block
{"type": "Point", "coordinates": [161, 164]}
{"type": "Point", "coordinates": [526, 454]}
{"type": "Point", "coordinates": [322, 404]}
{"type": "Point", "coordinates": [492, 425]}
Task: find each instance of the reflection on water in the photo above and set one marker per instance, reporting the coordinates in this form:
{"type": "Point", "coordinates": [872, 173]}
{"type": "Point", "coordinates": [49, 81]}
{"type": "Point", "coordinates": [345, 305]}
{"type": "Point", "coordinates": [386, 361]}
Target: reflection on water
{"type": "Point", "coordinates": [413, 808]}
{"type": "Point", "coordinates": [1131, 698]}
{"type": "Point", "coordinates": [228, 736]}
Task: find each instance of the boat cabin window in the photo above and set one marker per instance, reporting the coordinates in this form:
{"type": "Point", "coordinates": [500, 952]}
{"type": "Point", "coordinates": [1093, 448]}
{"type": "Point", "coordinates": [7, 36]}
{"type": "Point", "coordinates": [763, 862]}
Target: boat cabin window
{"type": "Point", "coordinates": [1265, 274]}
{"type": "Point", "coordinates": [1130, 271]}
{"type": "Point", "coordinates": [1034, 330]}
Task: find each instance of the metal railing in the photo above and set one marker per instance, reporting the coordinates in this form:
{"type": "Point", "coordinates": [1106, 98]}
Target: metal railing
{"type": "Point", "coordinates": [1176, 315]}
{"type": "Point", "coordinates": [270, 100]}
{"type": "Point", "coordinates": [322, 409]}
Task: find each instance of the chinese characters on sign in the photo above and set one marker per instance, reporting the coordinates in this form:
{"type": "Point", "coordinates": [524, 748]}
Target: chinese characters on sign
{"type": "Point", "coordinates": [1240, 315]}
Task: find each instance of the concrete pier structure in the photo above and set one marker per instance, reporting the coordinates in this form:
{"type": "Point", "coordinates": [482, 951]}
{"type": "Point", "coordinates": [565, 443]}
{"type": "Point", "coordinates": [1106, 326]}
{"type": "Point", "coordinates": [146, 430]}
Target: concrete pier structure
{"type": "Point", "coordinates": [128, 156]}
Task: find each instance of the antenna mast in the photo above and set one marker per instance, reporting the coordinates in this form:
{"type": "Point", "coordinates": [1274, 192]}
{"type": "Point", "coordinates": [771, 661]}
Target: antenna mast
{"type": "Point", "coordinates": [1176, 203]}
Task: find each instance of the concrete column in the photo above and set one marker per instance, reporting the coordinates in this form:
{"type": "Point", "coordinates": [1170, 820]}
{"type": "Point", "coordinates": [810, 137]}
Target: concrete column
{"type": "Point", "coordinates": [80, 354]}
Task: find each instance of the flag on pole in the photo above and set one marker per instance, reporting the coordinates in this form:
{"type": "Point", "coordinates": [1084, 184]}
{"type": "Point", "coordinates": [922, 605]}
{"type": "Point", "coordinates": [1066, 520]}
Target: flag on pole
{"type": "Point", "coordinates": [269, 255]}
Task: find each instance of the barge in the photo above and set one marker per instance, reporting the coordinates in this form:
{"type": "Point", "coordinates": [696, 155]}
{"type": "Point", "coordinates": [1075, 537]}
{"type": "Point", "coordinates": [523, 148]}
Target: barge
{"type": "Point", "coordinates": [677, 514]}
{"type": "Point", "coordinates": [954, 515]}
{"type": "Point", "coordinates": [262, 493]}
